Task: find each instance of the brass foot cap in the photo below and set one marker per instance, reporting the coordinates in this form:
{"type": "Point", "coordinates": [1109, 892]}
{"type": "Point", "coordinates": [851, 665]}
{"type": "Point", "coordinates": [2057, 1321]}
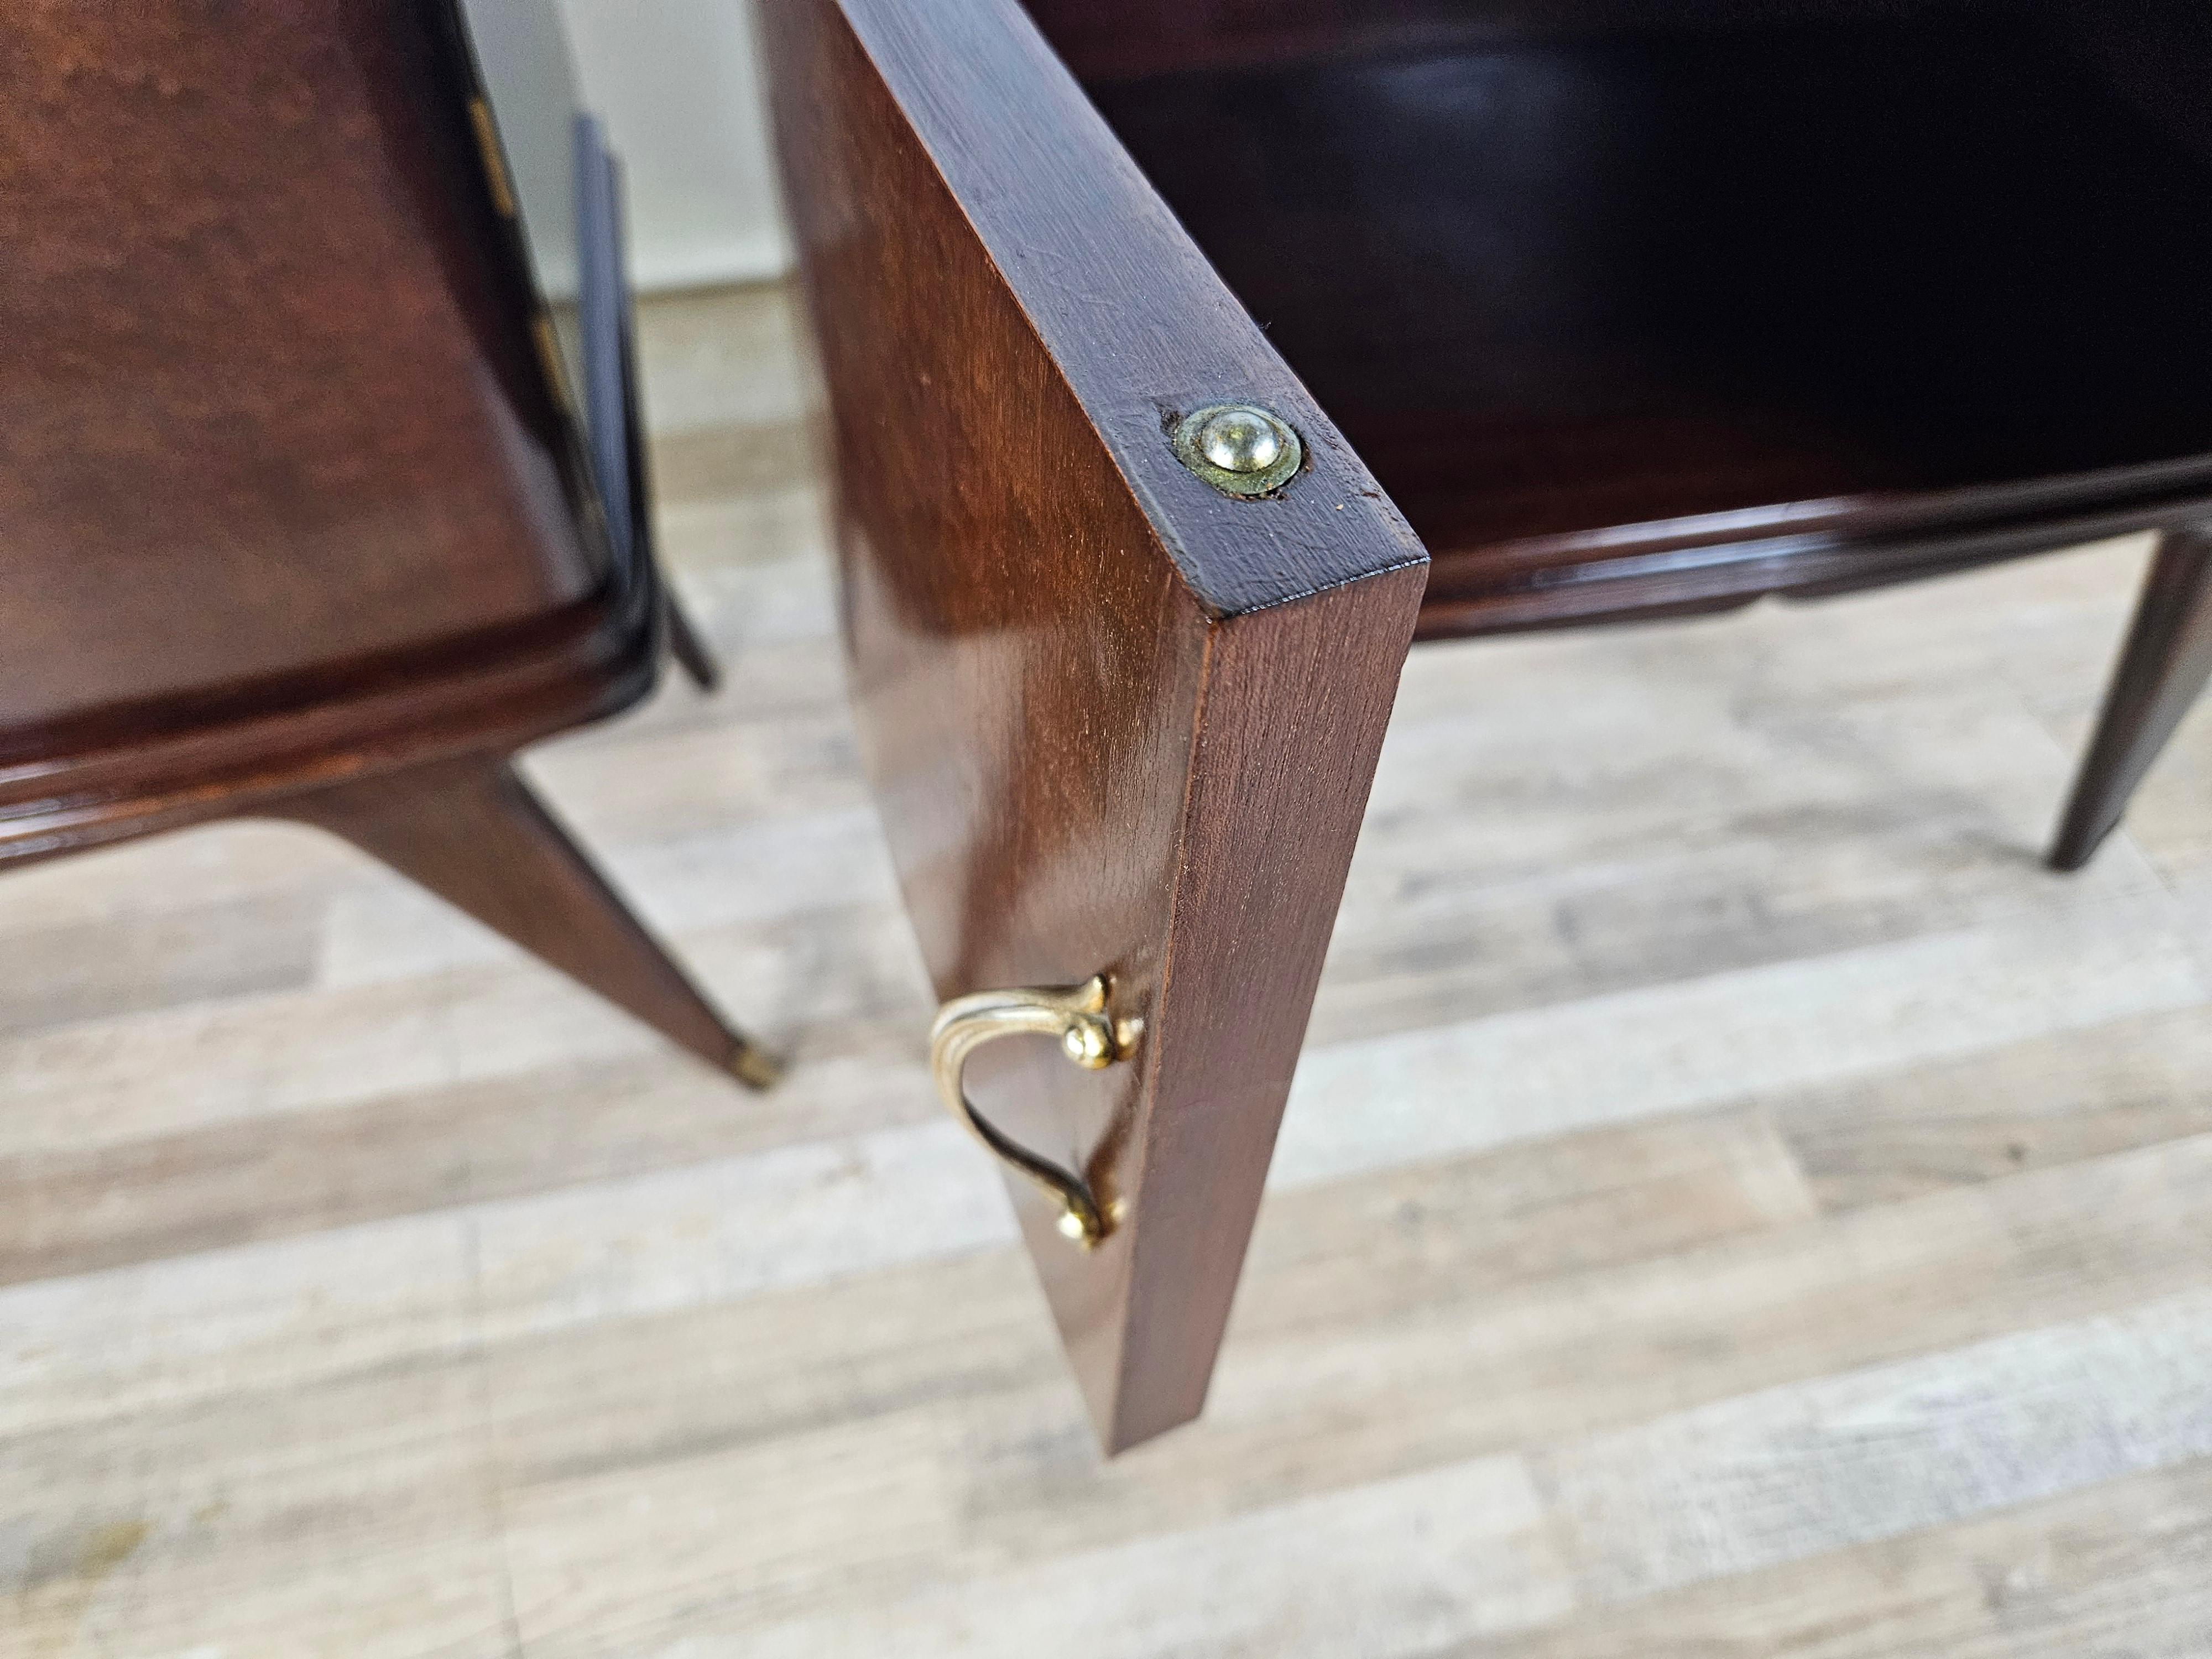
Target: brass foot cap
{"type": "Point", "coordinates": [755, 1067]}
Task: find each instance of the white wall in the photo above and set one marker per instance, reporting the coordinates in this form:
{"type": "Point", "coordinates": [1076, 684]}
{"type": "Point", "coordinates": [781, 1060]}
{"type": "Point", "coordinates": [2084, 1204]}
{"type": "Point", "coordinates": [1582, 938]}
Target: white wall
{"type": "Point", "coordinates": [675, 81]}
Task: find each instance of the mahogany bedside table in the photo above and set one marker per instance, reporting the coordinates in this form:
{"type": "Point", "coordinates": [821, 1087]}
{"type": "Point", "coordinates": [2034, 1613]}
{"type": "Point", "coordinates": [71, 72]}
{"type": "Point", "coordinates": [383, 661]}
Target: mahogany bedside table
{"type": "Point", "coordinates": [1188, 359]}
{"type": "Point", "coordinates": [297, 518]}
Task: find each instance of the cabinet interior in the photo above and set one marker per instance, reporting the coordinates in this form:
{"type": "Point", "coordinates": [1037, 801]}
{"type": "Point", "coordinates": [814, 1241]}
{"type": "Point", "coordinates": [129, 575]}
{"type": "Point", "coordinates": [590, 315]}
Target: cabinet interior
{"type": "Point", "coordinates": [1556, 268]}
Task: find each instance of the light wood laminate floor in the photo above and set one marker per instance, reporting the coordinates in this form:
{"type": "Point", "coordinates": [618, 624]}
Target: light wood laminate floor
{"type": "Point", "coordinates": [1735, 1202]}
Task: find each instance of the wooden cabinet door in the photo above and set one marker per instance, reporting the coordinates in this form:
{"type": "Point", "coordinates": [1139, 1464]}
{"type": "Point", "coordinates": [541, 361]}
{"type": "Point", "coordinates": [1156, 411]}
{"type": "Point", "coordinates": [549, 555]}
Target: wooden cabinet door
{"type": "Point", "coordinates": [1118, 720]}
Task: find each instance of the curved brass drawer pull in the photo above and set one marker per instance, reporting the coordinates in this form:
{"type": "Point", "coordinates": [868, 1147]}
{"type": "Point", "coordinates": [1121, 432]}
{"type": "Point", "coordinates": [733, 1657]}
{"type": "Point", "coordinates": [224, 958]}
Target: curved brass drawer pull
{"type": "Point", "coordinates": [1076, 1014]}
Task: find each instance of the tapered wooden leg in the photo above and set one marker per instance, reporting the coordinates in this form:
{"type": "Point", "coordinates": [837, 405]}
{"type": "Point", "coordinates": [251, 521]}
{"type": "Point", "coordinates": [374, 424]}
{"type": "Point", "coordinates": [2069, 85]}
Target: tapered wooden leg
{"type": "Point", "coordinates": [472, 831]}
{"type": "Point", "coordinates": [2163, 666]}
{"type": "Point", "coordinates": [693, 653]}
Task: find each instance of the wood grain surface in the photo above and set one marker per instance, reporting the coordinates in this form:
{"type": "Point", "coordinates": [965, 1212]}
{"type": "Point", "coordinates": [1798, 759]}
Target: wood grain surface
{"type": "Point", "coordinates": [1117, 721]}
{"type": "Point", "coordinates": [287, 495]}
{"type": "Point", "coordinates": [294, 516]}
{"type": "Point", "coordinates": [270, 362]}
{"type": "Point", "coordinates": [1734, 1202]}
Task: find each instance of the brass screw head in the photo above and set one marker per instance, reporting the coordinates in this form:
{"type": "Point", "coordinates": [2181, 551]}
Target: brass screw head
{"type": "Point", "coordinates": [1241, 449]}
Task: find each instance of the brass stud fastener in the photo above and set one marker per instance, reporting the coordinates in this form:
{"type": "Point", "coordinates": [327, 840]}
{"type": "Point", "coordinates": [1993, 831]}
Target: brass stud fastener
{"type": "Point", "coordinates": [1241, 449]}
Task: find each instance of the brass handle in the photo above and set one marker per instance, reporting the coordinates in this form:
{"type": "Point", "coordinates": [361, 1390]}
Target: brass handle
{"type": "Point", "coordinates": [1076, 1014]}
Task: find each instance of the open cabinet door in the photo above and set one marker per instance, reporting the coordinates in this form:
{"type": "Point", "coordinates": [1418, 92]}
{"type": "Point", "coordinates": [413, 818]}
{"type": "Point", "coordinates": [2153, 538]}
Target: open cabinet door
{"type": "Point", "coordinates": [1119, 721]}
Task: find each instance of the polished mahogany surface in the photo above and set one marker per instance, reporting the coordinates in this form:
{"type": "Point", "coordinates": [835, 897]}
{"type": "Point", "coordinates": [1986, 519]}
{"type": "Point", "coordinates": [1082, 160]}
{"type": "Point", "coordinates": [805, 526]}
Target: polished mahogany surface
{"type": "Point", "coordinates": [289, 491]}
{"type": "Point", "coordinates": [272, 423]}
{"type": "Point", "coordinates": [293, 519]}
{"type": "Point", "coordinates": [1557, 286]}
{"type": "Point", "coordinates": [1116, 722]}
